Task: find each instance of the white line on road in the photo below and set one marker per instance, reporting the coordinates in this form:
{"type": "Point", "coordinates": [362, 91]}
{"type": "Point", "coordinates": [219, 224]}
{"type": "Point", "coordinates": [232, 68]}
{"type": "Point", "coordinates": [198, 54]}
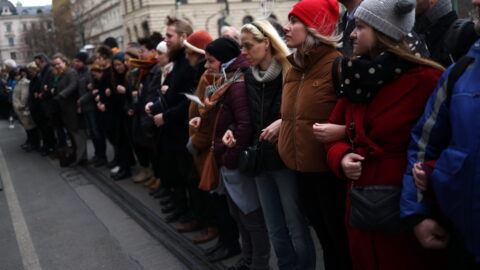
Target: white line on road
{"type": "Point", "coordinates": [27, 250]}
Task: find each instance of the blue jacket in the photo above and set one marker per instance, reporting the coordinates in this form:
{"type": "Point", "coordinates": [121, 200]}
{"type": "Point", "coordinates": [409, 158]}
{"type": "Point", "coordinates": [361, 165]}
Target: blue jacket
{"type": "Point", "coordinates": [449, 132]}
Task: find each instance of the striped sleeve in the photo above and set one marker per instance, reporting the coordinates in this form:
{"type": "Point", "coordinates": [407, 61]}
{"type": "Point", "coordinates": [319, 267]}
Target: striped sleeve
{"type": "Point", "coordinates": [430, 136]}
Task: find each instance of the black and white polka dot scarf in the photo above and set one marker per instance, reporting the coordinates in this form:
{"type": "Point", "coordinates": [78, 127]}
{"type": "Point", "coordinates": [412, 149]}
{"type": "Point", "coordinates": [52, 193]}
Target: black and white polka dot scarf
{"type": "Point", "coordinates": [361, 78]}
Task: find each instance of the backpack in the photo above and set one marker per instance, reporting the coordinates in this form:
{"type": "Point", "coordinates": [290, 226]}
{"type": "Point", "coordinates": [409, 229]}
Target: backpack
{"type": "Point", "coordinates": [452, 36]}
{"type": "Point", "coordinates": [460, 66]}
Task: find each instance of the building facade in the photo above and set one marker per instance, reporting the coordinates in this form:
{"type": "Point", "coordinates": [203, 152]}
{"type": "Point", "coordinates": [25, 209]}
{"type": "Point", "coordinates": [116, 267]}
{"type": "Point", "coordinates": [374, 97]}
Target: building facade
{"type": "Point", "coordinates": [20, 29]}
{"type": "Point", "coordinates": [141, 17]}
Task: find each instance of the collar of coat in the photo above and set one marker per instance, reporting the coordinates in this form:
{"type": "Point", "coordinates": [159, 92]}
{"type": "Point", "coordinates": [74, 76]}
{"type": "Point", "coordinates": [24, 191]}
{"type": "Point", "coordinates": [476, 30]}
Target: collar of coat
{"type": "Point", "coordinates": [311, 57]}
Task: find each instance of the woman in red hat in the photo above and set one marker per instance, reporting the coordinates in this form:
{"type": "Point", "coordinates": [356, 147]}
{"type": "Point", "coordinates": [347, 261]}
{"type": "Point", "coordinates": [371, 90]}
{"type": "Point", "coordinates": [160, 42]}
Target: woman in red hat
{"type": "Point", "coordinates": [308, 98]}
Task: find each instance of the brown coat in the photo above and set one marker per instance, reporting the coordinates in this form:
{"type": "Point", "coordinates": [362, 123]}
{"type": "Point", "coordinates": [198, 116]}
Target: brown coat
{"type": "Point", "coordinates": [308, 98]}
{"type": "Point", "coordinates": [202, 138]}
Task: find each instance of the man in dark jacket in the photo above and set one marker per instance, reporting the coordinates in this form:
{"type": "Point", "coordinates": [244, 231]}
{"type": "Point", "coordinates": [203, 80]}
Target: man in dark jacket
{"type": "Point", "coordinates": [447, 37]}
{"type": "Point", "coordinates": [175, 161]}
{"type": "Point", "coordinates": [66, 94]}
{"type": "Point", "coordinates": [347, 25]}
{"type": "Point", "coordinates": [45, 81]}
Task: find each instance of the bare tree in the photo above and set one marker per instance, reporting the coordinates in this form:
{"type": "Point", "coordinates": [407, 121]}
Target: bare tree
{"type": "Point", "coordinates": [40, 38]}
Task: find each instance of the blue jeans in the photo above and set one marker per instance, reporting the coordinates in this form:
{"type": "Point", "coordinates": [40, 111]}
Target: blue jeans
{"type": "Point", "coordinates": [96, 133]}
{"type": "Point", "coordinates": [287, 226]}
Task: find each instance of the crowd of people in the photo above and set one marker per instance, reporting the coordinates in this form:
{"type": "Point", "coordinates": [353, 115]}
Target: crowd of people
{"type": "Point", "coordinates": [362, 129]}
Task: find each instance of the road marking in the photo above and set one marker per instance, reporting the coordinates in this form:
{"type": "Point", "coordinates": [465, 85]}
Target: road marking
{"type": "Point", "coordinates": [27, 250]}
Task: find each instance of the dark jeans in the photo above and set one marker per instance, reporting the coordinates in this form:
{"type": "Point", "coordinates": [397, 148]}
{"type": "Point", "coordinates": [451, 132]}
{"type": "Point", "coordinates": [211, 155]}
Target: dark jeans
{"type": "Point", "coordinates": [145, 155]}
{"type": "Point", "coordinates": [323, 202]}
{"type": "Point", "coordinates": [255, 241]}
{"type": "Point", "coordinates": [125, 151]}
{"type": "Point", "coordinates": [201, 202]}
{"type": "Point", "coordinates": [46, 131]}
{"type": "Point", "coordinates": [33, 137]}
{"type": "Point", "coordinates": [96, 134]}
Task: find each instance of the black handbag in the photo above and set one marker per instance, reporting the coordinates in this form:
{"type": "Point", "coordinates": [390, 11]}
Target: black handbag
{"type": "Point", "coordinates": [248, 161]}
{"type": "Point", "coordinates": [376, 208]}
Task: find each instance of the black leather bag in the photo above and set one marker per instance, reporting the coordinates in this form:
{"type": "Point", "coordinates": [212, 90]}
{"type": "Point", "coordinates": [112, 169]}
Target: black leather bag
{"type": "Point", "coordinates": [376, 208]}
{"type": "Point", "coordinates": [248, 161]}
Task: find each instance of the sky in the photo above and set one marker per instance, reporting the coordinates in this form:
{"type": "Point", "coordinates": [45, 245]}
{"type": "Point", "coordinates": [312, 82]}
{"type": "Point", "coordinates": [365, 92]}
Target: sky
{"type": "Point", "coordinates": [33, 2]}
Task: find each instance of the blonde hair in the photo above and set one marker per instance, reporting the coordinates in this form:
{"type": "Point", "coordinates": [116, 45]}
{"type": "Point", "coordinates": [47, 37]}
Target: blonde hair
{"type": "Point", "coordinates": [32, 66]}
{"type": "Point", "coordinates": [402, 50]}
{"type": "Point", "coordinates": [315, 40]}
{"type": "Point", "coordinates": [264, 29]}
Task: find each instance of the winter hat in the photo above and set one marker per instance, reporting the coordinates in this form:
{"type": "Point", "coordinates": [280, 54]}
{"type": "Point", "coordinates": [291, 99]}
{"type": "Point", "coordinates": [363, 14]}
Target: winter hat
{"type": "Point", "coordinates": [162, 47]}
{"type": "Point", "coordinates": [119, 56]}
{"type": "Point", "coordinates": [82, 56]}
{"type": "Point", "coordinates": [10, 63]}
{"type": "Point", "coordinates": [321, 15]}
{"type": "Point", "coordinates": [198, 41]}
{"type": "Point", "coordinates": [224, 49]}
{"type": "Point", "coordinates": [394, 18]}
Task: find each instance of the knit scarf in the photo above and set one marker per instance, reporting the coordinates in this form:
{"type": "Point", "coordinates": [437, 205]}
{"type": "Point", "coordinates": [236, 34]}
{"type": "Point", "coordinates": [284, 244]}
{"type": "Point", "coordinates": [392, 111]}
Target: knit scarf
{"type": "Point", "coordinates": [215, 91]}
{"type": "Point", "coordinates": [144, 66]}
{"type": "Point", "coordinates": [362, 78]}
{"type": "Point", "coordinates": [270, 74]}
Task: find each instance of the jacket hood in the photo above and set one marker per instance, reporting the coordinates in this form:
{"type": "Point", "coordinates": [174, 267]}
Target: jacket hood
{"type": "Point", "coordinates": [239, 63]}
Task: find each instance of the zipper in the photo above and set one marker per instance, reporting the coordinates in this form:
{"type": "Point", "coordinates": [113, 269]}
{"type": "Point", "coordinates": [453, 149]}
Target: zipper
{"type": "Point", "coordinates": [295, 113]}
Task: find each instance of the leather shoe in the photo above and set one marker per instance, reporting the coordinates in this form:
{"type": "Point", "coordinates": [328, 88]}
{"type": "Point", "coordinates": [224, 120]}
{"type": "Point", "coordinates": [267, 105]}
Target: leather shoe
{"type": "Point", "coordinates": [242, 264]}
{"type": "Point", "coordinates": [122, 174]}
{"type": "Point", "coordinates": [211, 250]}
{"type": "Point", "coordinates": [168, 208]}
{"type": "Point", "coordinates": [189, 227]}
{"type": "Point", "coordinates": [161, 193]}
{"type": "Point", "coordinates": [174, 216]}
{"type": "Point", "coordinates": [205, 235]}
{"type": "Point", "coordinates": [164, 201]}
{"type": "Point", "coordinates": [223, 253]}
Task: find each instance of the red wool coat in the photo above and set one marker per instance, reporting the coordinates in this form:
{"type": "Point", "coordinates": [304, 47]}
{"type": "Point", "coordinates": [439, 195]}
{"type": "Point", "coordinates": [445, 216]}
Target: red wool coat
{"type": "Point", "coordinates": [382, 130]}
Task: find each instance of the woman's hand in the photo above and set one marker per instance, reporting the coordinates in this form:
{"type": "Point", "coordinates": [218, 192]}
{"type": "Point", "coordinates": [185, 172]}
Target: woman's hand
{"type": "Point", "coordinates": [271, 132]}
{"type": "Point", "coordinates": [164, 89]}
{"type": "Point", "coordinates": [326, 133]}
{"type": "Point", "coordinates": [430, 234]}
{"type": "Point", "coordinates": [101, 107]}
{"type": "Point", "coordinates": [158, 119]}
{"type": "Point", "coordinates": [121, 89]}
{"type": "Point", "coordinates": [147, 109]}
{"type": "Point", "coordinates": [420, 177]}
{"type": "Point", "coordinates": [108, 92]}
{"type": "Point", "coordinates": [130, 112]}
{"type": "Point", "coordinates": [195, 123]}
{"type": "Point", "coordinates": [352, 165]}
{"type": "Point", "coordinates": [97, 99]}
{"type": "Point", "coordinates": [228, 139]}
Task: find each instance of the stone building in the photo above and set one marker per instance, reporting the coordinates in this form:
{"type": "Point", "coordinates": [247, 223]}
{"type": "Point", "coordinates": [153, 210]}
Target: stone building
{"type": "Point", "coordinates": [20, 28]}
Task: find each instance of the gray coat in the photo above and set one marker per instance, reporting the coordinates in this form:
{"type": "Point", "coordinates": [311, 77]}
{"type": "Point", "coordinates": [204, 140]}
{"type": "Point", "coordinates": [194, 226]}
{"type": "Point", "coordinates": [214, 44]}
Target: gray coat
{"type": "Point", "coordinates": [67, 92]}
{"type": "Point", "coordinates": [86, 98]}
{"type": "Point", "coordinates": [20, 103]}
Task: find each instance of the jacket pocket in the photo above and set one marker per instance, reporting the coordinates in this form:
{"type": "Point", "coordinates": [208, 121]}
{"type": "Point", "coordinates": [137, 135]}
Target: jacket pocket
{"type": "Point", "coordinates": [451, 161]}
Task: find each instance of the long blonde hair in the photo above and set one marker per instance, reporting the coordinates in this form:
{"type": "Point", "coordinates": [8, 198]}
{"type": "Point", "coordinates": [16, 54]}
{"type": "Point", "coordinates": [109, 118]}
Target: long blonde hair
{"type": "Point", "coordinates": [264, 29]}
{"type": "Point", "coordinates": [402, 50]}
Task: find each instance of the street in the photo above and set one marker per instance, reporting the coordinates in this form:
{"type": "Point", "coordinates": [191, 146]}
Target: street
{"type": "Point", "coordinates": [53, 218]}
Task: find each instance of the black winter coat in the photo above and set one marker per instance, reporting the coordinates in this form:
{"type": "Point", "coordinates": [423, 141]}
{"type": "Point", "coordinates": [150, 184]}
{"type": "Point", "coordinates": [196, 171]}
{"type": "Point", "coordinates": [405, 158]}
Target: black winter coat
{"type": "Point", "coordinates": [264, 100]}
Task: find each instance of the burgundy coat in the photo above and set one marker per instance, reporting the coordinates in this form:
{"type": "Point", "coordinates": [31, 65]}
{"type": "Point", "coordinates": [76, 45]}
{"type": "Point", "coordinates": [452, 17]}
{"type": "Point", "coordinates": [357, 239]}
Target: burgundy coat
{"type": "Point", "coordinates": [382, 130]}
{"type": "Point", "coordinates": [235, 113]}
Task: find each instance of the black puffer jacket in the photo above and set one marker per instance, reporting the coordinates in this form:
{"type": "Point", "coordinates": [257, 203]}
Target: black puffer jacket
{"type": "Point", "coordinates": [271, 94]}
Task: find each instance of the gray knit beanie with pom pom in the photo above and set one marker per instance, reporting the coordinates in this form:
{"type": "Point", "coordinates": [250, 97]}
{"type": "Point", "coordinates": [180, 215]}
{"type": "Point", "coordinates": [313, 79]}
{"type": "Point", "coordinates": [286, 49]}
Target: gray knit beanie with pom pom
{"type": "Point", "coordinates": [394, 18]}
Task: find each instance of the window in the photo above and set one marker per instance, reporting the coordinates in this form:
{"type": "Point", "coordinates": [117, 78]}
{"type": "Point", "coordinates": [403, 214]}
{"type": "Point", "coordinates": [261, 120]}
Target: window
{"type": "Point", "coordinates": [49, 25]}
{"type": "Point", "coordinates": [125, 5]}
{"type": "Point", "coordinates": [133, 4]}
{"type": "Point", "coordinates": [13, 55]}
{"type": "Point", "coordinates": [145, 28]}
{"type": "Point", "coordinates": [9, 27]}
{"type": "Point", "coordinates": [136, 31]}
{"type": "Point", "coordinates": [11, 42]}
{"type": "Point", "coordinates": [129, 33]}
{"type": "Point", "coordinates": [24, 27]}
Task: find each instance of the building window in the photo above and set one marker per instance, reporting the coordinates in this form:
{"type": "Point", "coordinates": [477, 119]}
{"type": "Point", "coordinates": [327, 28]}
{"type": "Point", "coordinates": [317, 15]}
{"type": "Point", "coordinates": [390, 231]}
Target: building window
{"type": "Point", "coordinates": [145, 28]}
{"type": "Point", "coordinates": [24, 27]}
{"type": "Point", "coordinates": [133, 4]}
{"type": "Point", "coordinates": [129, 33]}
{"type": "Point", "coordinates": [136, 31]}
{"type": "Point", "coordinates": [50, 25]}
{"type": "Point", "coordinates": [13, 55]}
{"type": "Point", "coordinates": [9, 27]}
{"type": "Point", "coordinates": [11, 42]}
{"type": "Point", "coordinates": [125, 5]}
{"type": "Point", "coordinates": [182, 2]}
{"type": "Point", "coordinates": [141, 3]}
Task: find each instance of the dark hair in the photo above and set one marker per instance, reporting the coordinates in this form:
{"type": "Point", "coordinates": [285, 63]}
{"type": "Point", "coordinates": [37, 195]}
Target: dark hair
{"type": "Point", "coordinates": [104, 51]}
{"type": "Point", "coordinates": [110, 42]}
{"type": "Point", "coordinates": [152, 41]}
{"type": "Point", "coordinates": [42, 57]}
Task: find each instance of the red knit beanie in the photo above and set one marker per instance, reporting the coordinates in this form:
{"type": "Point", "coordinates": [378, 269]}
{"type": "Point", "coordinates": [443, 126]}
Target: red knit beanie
{"type": "Point", "coordinates": [198, 41]}
{"type": "Point", "coordinates": [321, 15]}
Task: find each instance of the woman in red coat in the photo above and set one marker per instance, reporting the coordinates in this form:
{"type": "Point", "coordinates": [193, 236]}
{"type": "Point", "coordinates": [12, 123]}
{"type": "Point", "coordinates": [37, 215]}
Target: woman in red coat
{"type": "Point", "coordinates": [384, 92]}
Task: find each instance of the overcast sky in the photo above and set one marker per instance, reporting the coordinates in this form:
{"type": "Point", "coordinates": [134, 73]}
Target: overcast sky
{"type": "Point", "coordinates": [33, 2]}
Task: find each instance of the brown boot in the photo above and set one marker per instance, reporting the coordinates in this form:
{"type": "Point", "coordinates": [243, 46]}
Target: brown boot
{"type": "Point", "coordinates": [205, 235]}
{"type": "Point", "coordinates": [155, 184]}
{"type": "Point", "coordinates": [189, 227]}
{"type": "Point", "coordinates": [142, 175]}
{"type": "Point", "coordinates": [149, 182]}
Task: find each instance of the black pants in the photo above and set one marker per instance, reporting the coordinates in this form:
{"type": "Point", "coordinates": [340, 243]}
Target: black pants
{"type": "Point", "coordinates": [41, 120]}
{"type": "Point", "coordinates": [33, 137]}
{"type": "Point", "coordinates": [175, 166]}
{"type": "Point", "coordinates": [228, 234]}
{"type": "Point", "coordinates": [125, 151]}
{"type": "Point", "coordinates": [458, 257]}
{"type": "Point", "coordinates": [323, 202]}
{"type": "Point", "coordinates": [201, 202]}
